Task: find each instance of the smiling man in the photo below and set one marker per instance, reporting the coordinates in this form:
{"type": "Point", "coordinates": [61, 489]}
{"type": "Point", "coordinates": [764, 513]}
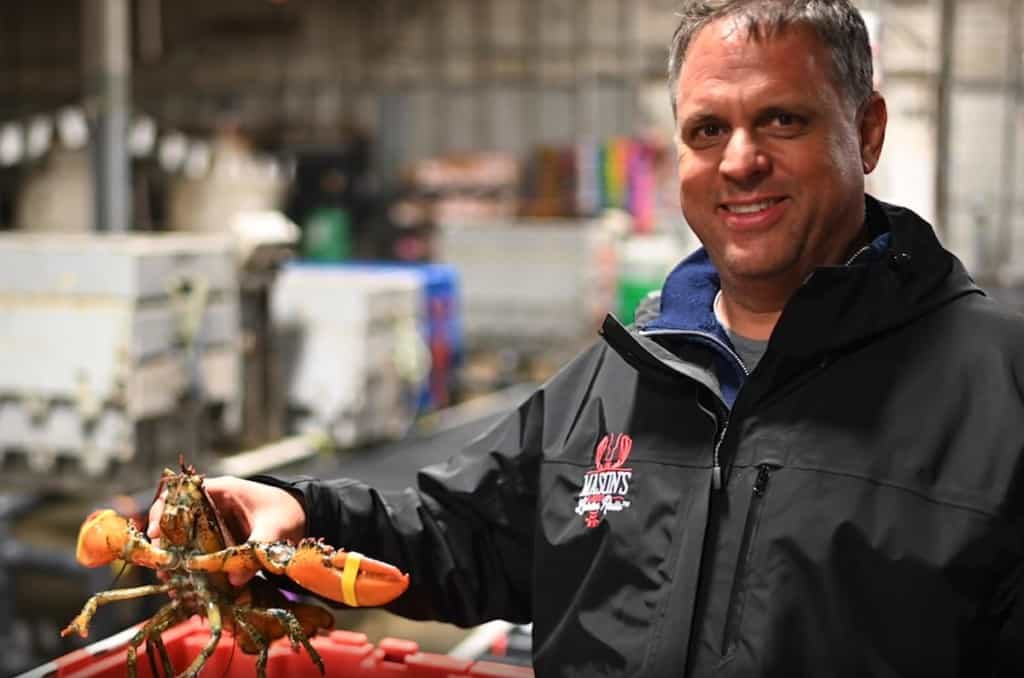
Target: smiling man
{"type": "Point", "coordinates": [772, 157]}
{"type": "Point", "coordinates": [805, 459]}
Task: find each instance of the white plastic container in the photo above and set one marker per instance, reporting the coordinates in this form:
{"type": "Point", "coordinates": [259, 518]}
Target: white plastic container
{"type": "Point", "coordinates": [353, 358]}
{"type": "Point", "coordinates": [97, 335]}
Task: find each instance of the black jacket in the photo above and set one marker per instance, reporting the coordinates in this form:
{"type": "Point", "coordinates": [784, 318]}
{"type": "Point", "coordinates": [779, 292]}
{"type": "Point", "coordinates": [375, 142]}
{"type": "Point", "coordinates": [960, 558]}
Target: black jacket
{"type": "Point", "coordinates": [867, 523]}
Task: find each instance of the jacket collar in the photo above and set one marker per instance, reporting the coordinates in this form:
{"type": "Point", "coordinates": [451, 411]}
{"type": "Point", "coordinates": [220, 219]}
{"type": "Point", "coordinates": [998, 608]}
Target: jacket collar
{"type": "Point", "coordinates": [878, 294]}
{"type": "Point", "coordinates": [903, 273]}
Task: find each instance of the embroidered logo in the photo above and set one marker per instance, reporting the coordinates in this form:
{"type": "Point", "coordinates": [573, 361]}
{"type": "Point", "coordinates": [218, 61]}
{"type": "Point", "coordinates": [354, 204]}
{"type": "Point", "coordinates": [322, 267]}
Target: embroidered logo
{"type": "Point", "coordinates": [606, 485]}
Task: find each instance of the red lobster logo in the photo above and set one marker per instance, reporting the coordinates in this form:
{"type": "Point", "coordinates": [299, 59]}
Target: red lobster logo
{"type": "Point", "coordinates": [613, 451]}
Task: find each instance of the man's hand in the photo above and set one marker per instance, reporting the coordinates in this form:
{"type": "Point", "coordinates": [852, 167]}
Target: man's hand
{"type": "Point", "coordinates": [251, 512]}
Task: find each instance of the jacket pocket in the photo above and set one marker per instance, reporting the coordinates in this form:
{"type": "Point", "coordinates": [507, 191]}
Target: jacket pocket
{"type": "Point", "coordinates": [737, 597]}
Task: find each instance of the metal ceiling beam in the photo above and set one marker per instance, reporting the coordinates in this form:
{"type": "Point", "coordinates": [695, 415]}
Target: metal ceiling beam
{"type": "Point", "coordinates": [106, 61]}
{"type": "Point", "coordinates": [944, 113]}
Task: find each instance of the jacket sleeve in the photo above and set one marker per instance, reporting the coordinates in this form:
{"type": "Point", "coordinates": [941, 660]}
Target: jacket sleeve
{"type": "Point", "coordinates": [464, 533]}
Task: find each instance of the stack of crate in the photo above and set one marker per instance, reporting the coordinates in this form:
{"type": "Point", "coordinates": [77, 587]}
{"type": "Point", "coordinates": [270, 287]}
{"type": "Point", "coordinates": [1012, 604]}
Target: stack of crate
{"type": "Point", "coordinates": [103, 338]}
{"type": "Point", "coordinates": [353, 359]}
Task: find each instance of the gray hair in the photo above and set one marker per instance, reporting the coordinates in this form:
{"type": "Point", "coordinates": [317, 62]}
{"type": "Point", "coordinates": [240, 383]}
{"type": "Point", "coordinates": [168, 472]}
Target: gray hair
{"type": "Point", "coordinates": [837, 23]}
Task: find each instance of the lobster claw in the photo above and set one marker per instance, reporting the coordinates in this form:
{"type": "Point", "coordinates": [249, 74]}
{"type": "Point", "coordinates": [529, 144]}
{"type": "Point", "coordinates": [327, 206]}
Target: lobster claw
{"type": "Point", "coordinates": [375, 582]}
{"type": "Point", "coordinates": [106, 536]}
{"type": "Point", "coordinates": [342, 576]}
{"type": "Point", "coordinates": [102, 538]}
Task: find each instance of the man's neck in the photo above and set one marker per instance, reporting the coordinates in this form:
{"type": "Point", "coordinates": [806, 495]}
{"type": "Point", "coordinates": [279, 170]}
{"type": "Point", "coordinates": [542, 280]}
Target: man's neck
{"type": "Point", "coordinates": [752, 323]}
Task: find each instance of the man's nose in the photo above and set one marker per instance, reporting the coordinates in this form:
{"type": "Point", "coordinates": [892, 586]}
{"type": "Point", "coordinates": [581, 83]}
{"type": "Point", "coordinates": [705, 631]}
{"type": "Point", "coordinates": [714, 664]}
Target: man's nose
{"type": "Point", "coordinates": [743, 160]}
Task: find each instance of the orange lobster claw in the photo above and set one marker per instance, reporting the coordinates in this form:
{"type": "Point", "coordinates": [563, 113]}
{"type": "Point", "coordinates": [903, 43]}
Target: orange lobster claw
{"type": "Point", "coordinates": [106, 536]}
{"type": "Point", "coordinates": [343, 576]}
{"type": "Point", "coordinates": [102, 538]}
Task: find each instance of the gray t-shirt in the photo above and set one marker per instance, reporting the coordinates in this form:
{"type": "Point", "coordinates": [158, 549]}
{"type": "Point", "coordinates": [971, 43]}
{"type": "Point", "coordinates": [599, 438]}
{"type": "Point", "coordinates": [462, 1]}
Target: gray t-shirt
{"type": "Point", "coordinates": [750, 351]}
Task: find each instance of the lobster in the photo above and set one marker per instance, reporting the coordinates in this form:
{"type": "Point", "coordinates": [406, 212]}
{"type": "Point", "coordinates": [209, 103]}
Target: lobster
{"type": "Point", "coordinates": [194, 558]}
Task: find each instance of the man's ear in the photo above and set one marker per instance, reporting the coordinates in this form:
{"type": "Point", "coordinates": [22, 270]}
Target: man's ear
{"type": "Point", "coordinates": [873, 118]}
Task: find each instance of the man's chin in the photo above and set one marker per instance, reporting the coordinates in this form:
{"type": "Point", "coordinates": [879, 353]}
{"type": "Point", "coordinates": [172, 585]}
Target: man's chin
{"type": "Point", "coordinates": [752, 265]}
{"type": "Point", "coordinates": [755, 268]}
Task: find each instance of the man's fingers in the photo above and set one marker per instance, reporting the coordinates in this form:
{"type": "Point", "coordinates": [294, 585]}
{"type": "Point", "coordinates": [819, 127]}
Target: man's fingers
{"type": "Point", "coordinates": [153, 528]}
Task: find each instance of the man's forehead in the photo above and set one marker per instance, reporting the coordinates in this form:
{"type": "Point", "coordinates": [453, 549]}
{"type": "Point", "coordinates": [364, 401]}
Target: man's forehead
{"type": "Point", "coordinates": [725, 48]}
{"type": "Point", "coordinates": [734, 33]}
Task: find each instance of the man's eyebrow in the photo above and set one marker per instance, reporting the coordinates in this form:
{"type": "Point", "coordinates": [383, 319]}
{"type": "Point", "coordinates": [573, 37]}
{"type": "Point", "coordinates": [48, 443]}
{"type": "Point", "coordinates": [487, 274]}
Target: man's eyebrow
{"type": "Point", "coordinates": [699, 118]}
{"type": "Point", "coordinates": [773, 110]}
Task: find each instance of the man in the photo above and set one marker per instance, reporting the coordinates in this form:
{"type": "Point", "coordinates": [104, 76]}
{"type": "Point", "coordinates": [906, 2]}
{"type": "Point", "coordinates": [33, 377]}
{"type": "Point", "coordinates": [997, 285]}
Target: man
{"type": "Point", "coordinates": [805, 462]}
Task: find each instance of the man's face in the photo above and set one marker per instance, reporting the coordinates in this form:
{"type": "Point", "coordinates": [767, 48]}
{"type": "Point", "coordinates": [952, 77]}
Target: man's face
{"type": "Point", "coordinates": [771, 156]}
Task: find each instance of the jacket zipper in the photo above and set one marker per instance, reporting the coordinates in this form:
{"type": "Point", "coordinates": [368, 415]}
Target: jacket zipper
{"type": "Point", "coordinates": [856, 255]}
{"type": "Point", "coordinates": [716, 467]}
{"type": "Point", "coordinates": [737, 598]}
{"type": "Point", "coordinates": [716, 464]}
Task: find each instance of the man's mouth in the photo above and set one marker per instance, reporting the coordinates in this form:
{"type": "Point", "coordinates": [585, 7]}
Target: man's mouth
{"type": "Point", "coordinates": [751, 207]}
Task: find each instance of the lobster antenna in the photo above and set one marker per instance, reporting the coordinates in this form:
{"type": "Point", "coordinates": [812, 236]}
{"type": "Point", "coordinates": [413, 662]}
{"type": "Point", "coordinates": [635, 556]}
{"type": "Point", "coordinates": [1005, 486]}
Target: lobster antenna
{"type": "Point", "coordinates": [187, 469]}
{"type": "Point", "coordinates": [117, 577]}
{"type": "Point", "coordinates": [162, 484]}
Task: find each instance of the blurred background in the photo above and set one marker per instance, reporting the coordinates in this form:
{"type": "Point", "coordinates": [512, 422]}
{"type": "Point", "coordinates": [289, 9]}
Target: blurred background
{"type": "Point", "coordinates": [319, 236]}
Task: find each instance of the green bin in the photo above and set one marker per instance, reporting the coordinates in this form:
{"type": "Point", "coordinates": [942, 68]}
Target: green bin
{"type": "Point", "coordinates": [326, 235]}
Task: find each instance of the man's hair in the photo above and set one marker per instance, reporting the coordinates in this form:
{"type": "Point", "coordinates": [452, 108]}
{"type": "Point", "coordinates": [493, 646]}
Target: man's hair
{"type": "Point", "coordinates": [837, 24]}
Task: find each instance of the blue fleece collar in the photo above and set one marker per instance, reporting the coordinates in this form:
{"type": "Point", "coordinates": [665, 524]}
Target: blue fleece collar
{"type": "Point", "coordinates": [687, 309]}
{"type": "Point", "coordinates": [687, 312]}
{"type": "Point", "coordinates": [687, 297]}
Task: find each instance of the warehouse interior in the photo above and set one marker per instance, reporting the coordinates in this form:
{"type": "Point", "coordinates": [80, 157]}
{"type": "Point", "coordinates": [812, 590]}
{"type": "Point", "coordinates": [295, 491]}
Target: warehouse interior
{"type": "Point", "coordinates": [334, 237]}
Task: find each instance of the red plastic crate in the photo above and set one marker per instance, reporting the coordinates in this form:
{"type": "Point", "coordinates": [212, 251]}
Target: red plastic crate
{"type": "Point", "coordinates": [345, 654]}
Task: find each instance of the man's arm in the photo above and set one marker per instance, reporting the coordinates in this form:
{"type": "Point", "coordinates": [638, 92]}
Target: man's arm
{"type": "Point", "coordinates": [464, 533]}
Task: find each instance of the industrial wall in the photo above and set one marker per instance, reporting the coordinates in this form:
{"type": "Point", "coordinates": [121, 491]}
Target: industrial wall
{"type": "Point", "coordinates": [439, 76]}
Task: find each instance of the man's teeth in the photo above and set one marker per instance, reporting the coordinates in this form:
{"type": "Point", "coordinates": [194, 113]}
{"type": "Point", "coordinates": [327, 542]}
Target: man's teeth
{"type": "Point", "coordinates": [748, 209]}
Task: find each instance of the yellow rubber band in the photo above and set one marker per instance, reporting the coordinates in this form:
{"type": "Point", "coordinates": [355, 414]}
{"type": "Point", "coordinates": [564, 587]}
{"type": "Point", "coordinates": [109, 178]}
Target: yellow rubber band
{"type": "Point", "coordinates": [348, 578]}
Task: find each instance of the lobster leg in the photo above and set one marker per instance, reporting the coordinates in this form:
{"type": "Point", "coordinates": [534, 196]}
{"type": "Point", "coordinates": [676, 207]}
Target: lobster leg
{"type": "Point", "coordinates": [80, 624]}
{"type": "Point", "coordinates": [291, 624]}
{"type": "Point", "coordinates": [165, 659]}
{"type": "Point", "coordinates": [165, 617]}
{"type": "Point", "coordinates": [257, 638]}
{"type": "Point", "coordinates": [212, 616]}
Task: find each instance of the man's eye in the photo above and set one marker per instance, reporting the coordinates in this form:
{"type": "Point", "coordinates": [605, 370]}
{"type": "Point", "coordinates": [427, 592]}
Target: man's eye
{"type": "Point", "coordinates": [785, 120]}
{"type": "Point", "coordinates": [708, 131]}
